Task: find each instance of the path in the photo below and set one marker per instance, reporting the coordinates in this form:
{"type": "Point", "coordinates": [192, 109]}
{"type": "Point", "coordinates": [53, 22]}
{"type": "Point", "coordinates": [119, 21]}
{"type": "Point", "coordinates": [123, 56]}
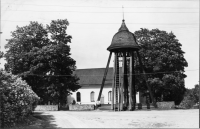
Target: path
{"type": "Point", "coordinates": [125, 119]}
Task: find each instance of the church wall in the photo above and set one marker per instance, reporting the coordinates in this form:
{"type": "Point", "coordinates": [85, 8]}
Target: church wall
{"type": "Point", "coordinates": [86, 99]}
{"type": "Point", "coordinates": [85, 96]}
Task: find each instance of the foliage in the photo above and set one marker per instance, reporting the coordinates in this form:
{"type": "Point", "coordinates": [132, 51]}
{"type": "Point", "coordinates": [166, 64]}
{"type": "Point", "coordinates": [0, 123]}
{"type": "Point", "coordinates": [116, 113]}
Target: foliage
{"type": "Point", "coordinates": [1, 55]}
{"type": "Point", "coordinates": [191, 97]}
{"type": "Point", "coordinates": [17, 99]}
{"type": "Point", "coordinates": [163, 58]}
{"type": "Point", "coordinates": [195, 93]}
{"type": "Point", "coordinates": [186, 103]}
{"type": "Point", "coordinates": [41, 56]}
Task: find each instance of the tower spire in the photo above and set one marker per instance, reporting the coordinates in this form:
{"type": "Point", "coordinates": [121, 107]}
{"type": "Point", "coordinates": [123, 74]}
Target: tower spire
{"type": "Point", "coordinates": [123, 26]}
{"type": "Point", "coordinates": [123, 12]}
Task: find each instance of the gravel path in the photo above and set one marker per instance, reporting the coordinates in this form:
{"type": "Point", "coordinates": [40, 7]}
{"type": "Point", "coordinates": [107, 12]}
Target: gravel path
{"type": "Point", "coordinates": [125, 119]}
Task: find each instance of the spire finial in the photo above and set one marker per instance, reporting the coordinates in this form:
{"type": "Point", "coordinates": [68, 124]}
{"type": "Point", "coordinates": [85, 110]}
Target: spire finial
{"type": "Point", "coordinates": [123, 12]}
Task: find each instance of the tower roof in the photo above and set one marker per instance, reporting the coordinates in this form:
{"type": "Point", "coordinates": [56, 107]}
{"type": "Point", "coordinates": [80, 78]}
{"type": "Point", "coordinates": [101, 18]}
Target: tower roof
{"type": "Point", "coordinates": [123, 26]}
{"type": "Point", "coordinates": [123, 39]}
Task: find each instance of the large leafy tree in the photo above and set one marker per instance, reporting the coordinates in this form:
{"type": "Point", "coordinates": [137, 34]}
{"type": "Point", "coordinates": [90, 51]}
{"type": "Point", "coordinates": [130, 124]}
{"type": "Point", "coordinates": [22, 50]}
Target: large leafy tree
{"type": "Point", "coordinates": [41, 56]}
{"type": "Point", "coordinates": [164, 64]}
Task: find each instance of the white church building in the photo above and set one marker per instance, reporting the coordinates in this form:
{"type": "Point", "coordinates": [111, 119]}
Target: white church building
{"type": "Point", "coordinates": [90, 81]}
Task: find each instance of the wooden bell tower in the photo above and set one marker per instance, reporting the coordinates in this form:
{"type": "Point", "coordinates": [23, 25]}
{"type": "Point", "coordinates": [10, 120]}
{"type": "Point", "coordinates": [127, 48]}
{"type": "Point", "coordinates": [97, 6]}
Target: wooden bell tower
{"type": "Point", "coordinates": [124, 46]}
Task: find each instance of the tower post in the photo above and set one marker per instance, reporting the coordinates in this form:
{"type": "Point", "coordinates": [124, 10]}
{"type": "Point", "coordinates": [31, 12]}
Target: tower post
{"type": "Point", "coordinates": [104, 77]}
{"type": "Point", "coordinates": [133, 77]}
{"type": "Point", "coordinates": [117, 82]}
{"type": "Point", "coordinates": [131, 102]}
{"type": "Point", "coordinates": [113, 85]}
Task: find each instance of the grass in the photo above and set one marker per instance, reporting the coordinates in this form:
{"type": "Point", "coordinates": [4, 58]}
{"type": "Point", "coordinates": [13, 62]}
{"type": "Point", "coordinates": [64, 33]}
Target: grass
{"type": "Point", "coordinates": [37, 121]}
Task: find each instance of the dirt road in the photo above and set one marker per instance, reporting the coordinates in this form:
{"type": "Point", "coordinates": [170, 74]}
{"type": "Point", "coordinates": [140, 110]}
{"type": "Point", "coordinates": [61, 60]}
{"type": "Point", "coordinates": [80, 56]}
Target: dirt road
{"type": "Point", "coordinates": [124, 119]}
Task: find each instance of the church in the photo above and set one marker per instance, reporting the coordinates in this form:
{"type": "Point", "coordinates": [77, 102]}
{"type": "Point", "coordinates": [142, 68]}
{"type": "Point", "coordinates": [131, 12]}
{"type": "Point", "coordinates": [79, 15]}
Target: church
{"type": "Point", "coordinates": [90, 81]}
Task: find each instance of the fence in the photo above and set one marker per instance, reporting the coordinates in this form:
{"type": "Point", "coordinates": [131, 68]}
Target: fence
{"type": "Point", "coordinates": [46, 108]}
{"type": "Point", "coordinates": [78, 107]}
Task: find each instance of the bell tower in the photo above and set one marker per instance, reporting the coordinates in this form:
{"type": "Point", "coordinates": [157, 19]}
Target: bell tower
{"type": "Point", "coordinates": [125, 46]}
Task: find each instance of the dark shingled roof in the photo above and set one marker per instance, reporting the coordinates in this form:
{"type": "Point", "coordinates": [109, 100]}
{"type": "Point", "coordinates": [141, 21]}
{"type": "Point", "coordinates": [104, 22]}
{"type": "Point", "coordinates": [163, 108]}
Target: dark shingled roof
{"type": "Point", "coordinates": [94, 76]}
{"type": "Point", "coordinates": [123, 39]}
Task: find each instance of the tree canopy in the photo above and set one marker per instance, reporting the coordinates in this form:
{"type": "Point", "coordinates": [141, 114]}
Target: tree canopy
{"type": "Point", "coordinates": [164, 64]}
{"type": "Point", "coordinates": [41, 56]}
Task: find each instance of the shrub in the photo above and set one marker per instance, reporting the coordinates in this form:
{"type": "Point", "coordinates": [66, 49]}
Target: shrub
{"type": "Point", "coordinates": [17, 99]}
{"type": "Point", "coordinates": [187, 103]}
{"type": "Point", "coordinates": [191, 98]}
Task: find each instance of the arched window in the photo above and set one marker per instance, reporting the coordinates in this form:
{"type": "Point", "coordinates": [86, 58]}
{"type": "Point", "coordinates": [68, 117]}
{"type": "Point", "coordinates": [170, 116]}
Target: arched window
{"type": "Point", "coordinates": [78, 97]}
{"type": "Point", "coordinates": [109, 95]}
{"type": "Point", "coordinates": [92, 96]}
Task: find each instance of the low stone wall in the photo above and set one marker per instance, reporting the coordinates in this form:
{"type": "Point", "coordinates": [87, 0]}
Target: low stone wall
{"type": "Point", "coordinates": [81, 107]}
{"type": "Point", "coordinates": [46, 108]}
{"type": "Point", "coordinates": [166, 105]}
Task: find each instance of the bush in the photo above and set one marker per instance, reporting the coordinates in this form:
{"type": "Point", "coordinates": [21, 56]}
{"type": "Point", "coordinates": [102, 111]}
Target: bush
{"type": "Point", "coordinates": [17, 99]}
{"type": "Point", "coordinates": [187, 103]}
{"type": "Point", "coordinates": [191, 98]}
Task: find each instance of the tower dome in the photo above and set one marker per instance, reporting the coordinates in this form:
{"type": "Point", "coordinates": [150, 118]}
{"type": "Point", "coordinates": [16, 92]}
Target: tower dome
{"type": "Point", "coordinates": [123, 39]}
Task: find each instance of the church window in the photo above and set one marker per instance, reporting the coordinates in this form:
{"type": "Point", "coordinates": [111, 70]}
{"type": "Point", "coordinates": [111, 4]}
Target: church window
{"type": "Point", "coordinates": [109, 96]}
{"type": "Point", "coordinates": [78, 97]}
{"type": "Point", "coordinates": [92, 96]}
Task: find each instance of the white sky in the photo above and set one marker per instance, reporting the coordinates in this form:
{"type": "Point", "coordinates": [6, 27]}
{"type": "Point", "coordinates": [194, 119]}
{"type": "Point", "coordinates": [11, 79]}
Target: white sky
{"type": "Point", "coordinates": [93, 23]}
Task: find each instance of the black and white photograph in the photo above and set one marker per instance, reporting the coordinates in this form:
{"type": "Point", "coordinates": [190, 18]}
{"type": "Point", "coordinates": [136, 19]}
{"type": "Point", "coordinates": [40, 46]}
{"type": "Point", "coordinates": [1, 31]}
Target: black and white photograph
{"type": "Point", "coordinates": [99, 64]}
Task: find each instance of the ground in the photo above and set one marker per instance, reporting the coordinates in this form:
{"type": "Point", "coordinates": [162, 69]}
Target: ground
{"type": "Point", "coordinates": [110, 119]}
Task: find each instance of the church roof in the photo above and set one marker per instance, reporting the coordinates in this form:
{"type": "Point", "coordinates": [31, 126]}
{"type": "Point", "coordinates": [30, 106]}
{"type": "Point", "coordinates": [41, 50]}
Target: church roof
{"type": "Point", "coordinates": [93, 77]}
{"type": "Point", "coordinates": [123, 39]}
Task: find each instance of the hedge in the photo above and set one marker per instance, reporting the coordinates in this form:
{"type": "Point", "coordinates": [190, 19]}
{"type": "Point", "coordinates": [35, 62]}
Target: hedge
{"type": "Point", "coordinates": [17, 99]}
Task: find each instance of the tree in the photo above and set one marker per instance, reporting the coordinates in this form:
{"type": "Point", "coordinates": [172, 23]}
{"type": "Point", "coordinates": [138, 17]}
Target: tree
{"type": "Point", "coordinates": [41, 56]}
{"type": "Point", "coordinates": [196, 93]}
{"type": "Point", "coordinates": [164, 64]}
{"type": "Point", "coordinates": [1, 55]}
{"type": "Point", "coordinates": [193, 93]}
{"type": "Point", "coordinates": [191, 97]}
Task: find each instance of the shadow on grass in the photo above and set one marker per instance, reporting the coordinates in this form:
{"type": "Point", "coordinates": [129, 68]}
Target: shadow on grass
{"type": "Point", "coordinates": [38, 120]}
{"type": "Point", "coordinates": [43, 121]}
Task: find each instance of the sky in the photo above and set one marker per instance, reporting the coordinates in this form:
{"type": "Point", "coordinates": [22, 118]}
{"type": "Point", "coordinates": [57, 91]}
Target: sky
{"type": "Point", "coordinates": [93, 23]}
